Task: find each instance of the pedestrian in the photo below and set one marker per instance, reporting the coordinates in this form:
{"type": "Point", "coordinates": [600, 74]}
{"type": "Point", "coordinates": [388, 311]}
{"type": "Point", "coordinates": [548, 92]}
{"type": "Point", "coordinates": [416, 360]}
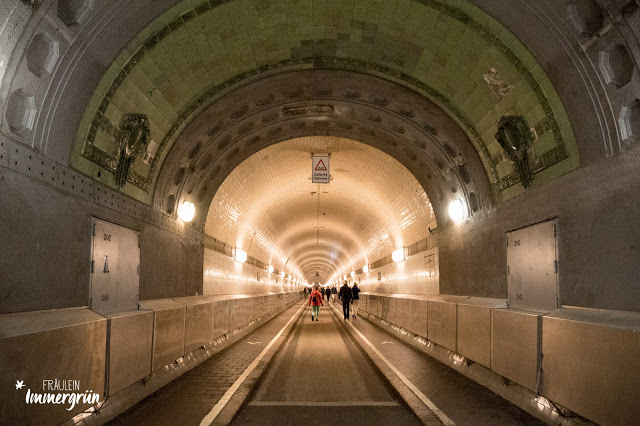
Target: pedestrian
{"type": "Point", "coordinates": [355, 291]}
{"type": "Point", "coordinates": [334, 293]}
{"type": "Point", "coordinates": [327, 292]}
{"type": "Point", "coordinates": [345, 296]}
{"type": "Point", "coordinates": [315, 301]}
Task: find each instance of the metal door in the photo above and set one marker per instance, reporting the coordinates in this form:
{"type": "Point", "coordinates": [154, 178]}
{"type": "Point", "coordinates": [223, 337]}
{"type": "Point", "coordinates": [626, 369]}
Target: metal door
{"type": "Point", "coordinates": [115, 266]}
{"type": "Point", "coordinates": [532, 267]}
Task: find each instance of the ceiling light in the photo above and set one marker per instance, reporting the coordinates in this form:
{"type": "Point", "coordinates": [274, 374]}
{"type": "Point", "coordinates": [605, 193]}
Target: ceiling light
{"type": "Point", "coordinates": [186, 211]}
{"type": "Point", "coordinates": [457, 210]}
{"type": "Point", "coordinates": [282, 274]}
{"type": "Point", "coordinates": [398, 255]}
{"type": "Point", "coordinates": [365, 268]}
{"type": "Point", "coordinates": [353, 274]}
{"type": "Point", "coordinates": [270, 269]}
{"type": "Point", "coordinates": [241, 255]}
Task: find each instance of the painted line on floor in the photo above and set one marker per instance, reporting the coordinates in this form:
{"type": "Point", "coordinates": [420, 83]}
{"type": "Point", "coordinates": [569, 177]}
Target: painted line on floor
{"type": "Point", "coordinates": [324, 404]}
{"type": "Point", "coordinates": [439, 413]}
{"type": "Point", "coordinates": [210, 417]}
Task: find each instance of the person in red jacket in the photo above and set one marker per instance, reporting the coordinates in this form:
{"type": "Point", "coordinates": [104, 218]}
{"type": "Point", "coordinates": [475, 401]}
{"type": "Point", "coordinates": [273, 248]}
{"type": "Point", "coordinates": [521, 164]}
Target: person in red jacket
{"type": "Point", "coordinates": [315, 300]}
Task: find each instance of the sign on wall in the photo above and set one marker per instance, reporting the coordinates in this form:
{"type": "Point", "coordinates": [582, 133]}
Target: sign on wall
{"type": "Point", "coordinates": [320, 168]}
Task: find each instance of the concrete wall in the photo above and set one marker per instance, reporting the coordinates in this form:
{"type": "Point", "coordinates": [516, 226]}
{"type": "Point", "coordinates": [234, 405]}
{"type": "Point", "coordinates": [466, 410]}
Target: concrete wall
{"type": "Point", "coordinates": [598, 215]}
{"type": "Point", "coordinates": [46, 238]}
{"type": "Point", "coordinates": [107, 355]}
{"type": "Point", "coordinates": [581, 359]}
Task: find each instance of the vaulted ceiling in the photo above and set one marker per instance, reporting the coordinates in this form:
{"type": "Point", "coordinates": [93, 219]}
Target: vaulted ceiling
{"type": "Point", "coordinates": [269, 207]}
{"type": "Point", "coordinates": [451, 53]}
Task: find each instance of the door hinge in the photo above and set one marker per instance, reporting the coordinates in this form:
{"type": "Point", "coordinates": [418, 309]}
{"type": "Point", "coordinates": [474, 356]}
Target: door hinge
{"type": "Point", "coordinates": [94, 230]}
{"type": "Point", "coordinates": [555, 266]}
{"type": "Point", "coordinates": [93, 263]}
{"type": "Point", "coordinates": [555, 230]}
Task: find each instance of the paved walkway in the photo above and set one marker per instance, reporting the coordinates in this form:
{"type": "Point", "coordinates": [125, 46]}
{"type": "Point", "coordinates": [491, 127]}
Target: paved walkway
{"type": "Point", "coordinates": [461, 399]}
{"type": "Point", "coordinates": [188, 399]}
{"type": "Point", "coordinates": [321, 377]}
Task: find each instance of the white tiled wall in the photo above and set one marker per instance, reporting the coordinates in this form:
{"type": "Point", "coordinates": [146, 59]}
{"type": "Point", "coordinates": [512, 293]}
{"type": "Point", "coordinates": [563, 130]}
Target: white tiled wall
{"type": "Point", "coordinates": [223, 275]}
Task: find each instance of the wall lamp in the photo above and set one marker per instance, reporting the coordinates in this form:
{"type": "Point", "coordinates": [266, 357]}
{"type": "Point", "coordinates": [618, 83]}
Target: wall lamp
{"type": "Point", "coordinates": [365, 268]}
{"type": "Point", "coordinates": [398, 255]}
{"type": "Point", "coordinates": [186, 211]}
{"type": "Point", "coordinates": [270, 269]}
{"type": "Point", "coordinates": [240, 255]}
{"type": "Point", "coordinates": [457, 210]}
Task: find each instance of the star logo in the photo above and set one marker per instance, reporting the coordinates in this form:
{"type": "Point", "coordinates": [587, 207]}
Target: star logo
{"type": "Point", "coordinates": [19, 384]}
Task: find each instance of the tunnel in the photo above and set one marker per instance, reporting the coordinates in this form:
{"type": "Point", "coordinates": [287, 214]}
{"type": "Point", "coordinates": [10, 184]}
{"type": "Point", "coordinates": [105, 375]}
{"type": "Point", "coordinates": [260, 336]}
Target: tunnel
{"type": "Point", "coordinates": [455, 182]}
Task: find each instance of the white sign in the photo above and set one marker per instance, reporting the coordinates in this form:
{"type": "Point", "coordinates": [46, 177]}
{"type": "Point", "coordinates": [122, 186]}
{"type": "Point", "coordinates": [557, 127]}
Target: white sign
{"type": "Point", "coordinates": [320, 169]}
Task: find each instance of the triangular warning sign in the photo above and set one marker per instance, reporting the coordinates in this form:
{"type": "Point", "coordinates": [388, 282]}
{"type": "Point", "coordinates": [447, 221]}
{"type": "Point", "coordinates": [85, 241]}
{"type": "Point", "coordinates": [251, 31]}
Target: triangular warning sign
{"type": "Point", "coordinates": [320, 167]}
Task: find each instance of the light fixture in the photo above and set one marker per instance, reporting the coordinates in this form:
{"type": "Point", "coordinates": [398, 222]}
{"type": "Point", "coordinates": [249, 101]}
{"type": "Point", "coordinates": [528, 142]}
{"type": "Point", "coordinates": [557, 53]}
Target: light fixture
{"type": "Point", "coordinates": [240, 256]}
{"type": "Point", "coordinates": [353, 274]}
{"type": "Point", "coordinates": [398, 255]}
{"type": "Point", "coordinates": [365, 268]}
{"type": "Point", "coordinates": [186, 211]}
{"type": "Point", "coordinates": [270, 269]}
{"type": "Point", "coordinates": [457, 210]}
{"type": "Point", "coordinates": [344, 277]}
{"type": "Point", "coordinates": [282, 274]}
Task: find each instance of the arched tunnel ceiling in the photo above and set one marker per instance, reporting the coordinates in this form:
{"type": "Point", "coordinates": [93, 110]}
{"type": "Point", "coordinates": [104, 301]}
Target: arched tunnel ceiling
{"type": "Point", "coordinates": [450, 52]}
{"type": "Point", "coordinates": [269, 207]}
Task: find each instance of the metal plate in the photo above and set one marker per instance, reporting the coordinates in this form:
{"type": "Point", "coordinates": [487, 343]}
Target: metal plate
{"type": "Point", "coordinates": [115, 278]}
{"type": "Point", "coordinates": [130, 348]}
{"type": "Point", "coordinates": [474, 333]}
{"type": "Point", "coordinates": [168, 331]}
{"type": "Point", "coordinates": [514, 346]}
{"type": "Point", "coordinates": [220, 317]}
{"type": "Point", "coordinates": [592, 368]}
{"type": "Point", "coordinates": [198, 322]}
{"type": "Point", "coordinates": [532, 277]}
{"type": "Point", "coordinates": [46, 345]}
{"type": "Point", "coordinates": [442, 323]}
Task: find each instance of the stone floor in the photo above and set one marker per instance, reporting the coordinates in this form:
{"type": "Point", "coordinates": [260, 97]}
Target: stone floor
{"type": "Point", "coordinates": [321, 376]}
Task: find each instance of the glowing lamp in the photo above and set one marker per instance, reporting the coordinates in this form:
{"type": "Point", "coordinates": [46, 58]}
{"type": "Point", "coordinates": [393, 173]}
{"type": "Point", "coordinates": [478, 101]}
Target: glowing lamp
{"type": "Point", "coordinates": [270, 269]}
{"type": "Point", "coordinates": [186, 211]}
{"type": "Point", "coordinates": [398, 255]}
{"type": "Point", "coordinates": [241, 255]}
{"type": "Point", "coordinates": [353, 274]}
{"type": "Point", "coordinates": [365, 268]}
{"type": "Point", "coordinates": [457, 210]}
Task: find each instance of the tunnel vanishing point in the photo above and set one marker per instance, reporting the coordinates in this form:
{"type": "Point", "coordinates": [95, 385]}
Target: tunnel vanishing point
{"type": "Point", "coordinates": [480, 166]}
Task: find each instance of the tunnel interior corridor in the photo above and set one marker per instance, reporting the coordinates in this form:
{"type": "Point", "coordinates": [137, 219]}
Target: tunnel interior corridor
{"type": "Point", "coordinates": [476, 173]}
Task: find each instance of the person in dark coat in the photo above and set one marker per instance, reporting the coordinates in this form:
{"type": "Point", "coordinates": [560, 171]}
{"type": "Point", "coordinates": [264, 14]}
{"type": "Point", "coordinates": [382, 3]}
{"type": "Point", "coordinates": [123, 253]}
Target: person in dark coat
{"type": "Point", "coordinates": [345, 296]}
{"type": "Point", "coordinates": [334, 292]}
{"type": "Point", "coordinates": [355, 291]}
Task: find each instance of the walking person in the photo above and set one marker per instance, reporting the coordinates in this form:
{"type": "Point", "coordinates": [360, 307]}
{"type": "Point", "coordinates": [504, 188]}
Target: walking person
{"type": "Point", "coordinates": [315, 301]}
{"type": "Point", "coordinates": [327, 292]}
{"type": "Point", "coordinates": [355, 291]}
{"type": "Point", "coordinates": [345, 296]}
{"type": "Point", "coordinates": [334, 293]}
